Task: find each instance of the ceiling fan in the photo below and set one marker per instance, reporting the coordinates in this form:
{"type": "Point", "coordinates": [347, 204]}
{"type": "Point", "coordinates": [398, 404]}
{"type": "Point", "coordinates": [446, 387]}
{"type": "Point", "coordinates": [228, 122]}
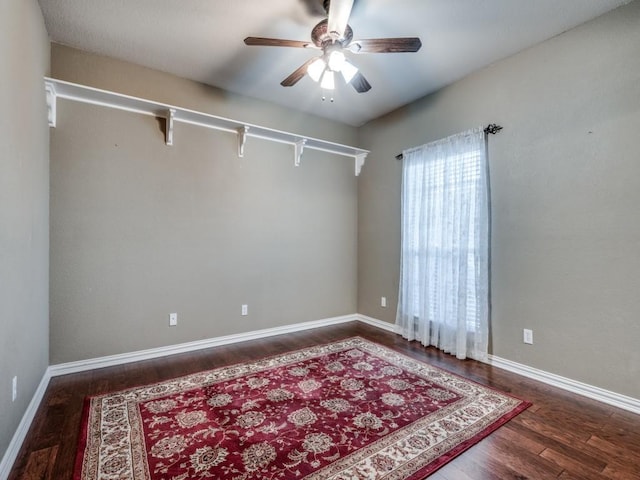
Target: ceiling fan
{"type": "Point", "coordinates": [333, 36]}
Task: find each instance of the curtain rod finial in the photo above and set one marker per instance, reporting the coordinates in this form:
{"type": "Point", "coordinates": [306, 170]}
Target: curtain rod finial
{"type": "Point", "coordinates": [492, 128]}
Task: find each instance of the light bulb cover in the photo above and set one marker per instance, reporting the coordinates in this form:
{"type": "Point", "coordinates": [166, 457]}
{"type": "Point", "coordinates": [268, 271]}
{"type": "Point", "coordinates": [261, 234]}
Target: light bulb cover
{"type": "Point", "coordinates": [316, 68]}
{"type": "Point", "coordinates": [348, 71]}
{"type": "Point", "coordinates": [336, 60]}
{"type": "Point", "coordinates": [328, 81]}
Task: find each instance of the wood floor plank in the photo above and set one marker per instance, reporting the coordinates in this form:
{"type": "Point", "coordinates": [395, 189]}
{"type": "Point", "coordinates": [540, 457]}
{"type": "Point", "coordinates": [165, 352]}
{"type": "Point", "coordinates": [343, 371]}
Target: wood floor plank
{"type": "Point", "coordinates": [614, 454]}
{"type": "Point", "coordinates": [565, 475]}
{"type": "Point", "coordinates": [451, 471]}
{"type": "Point", "coordinates": [620, 472]}
{"type": "Point", "coordinates": [40, 464]}
{"type": "Point", "coordinates": [561, 436]}
{"type": "Point", "coordinates": [476, 464]}
{"type": "Point", "coordinates": [575, 466]}
{"type": "Point", "coordinates": [626, 433]}
{"type": "Point", "coordinates": [518, 459]}
{"type": "Point", "coordinates": [555, 432]}
{"type": "Point", "coordinates": [523, 441]}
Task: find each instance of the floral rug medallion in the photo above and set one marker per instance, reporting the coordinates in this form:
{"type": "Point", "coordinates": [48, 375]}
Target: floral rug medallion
{"type": "Point", "coordinates": [352, 409]}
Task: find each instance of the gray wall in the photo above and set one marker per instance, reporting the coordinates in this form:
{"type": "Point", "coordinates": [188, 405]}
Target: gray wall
{"type": "Point", "coordinates": [565, 179]}
{"type": "Point", "coordinates": [140, 229]}
{"type": "Point", "coordinates": [24, 209]}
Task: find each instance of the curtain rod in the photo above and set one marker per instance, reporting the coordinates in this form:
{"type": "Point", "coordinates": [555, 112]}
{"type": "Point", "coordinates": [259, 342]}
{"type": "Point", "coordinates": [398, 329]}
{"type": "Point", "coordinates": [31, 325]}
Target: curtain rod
{"type": "Point", "coordinates": [492, 129]}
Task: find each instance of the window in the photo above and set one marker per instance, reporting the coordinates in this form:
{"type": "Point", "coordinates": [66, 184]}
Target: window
{"type": "Point", "coordinates": [444, 271]}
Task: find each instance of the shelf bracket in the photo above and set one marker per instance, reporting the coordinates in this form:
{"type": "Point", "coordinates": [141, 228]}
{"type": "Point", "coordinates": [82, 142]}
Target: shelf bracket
{"type": "Point", "coordinates": [360, 158]}
{"type": "Point", "coordinates": [299, 147]}
{"type": "Point", "coordinates": [242, 139]}
{"type": "Point", "coordinates": [171, 113]}
{"type": "Point", "coordinates": [50, 91]}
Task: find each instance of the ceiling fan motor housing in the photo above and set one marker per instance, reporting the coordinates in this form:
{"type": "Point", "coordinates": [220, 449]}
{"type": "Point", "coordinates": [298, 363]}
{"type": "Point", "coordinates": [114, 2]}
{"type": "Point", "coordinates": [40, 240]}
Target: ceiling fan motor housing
{"type": "Point", "coordinates": [321, 37]}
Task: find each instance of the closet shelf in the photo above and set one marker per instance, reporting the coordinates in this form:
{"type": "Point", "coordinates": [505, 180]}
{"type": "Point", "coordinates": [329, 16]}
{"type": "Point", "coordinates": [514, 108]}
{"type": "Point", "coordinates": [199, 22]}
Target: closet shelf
{"type": "Point", "coordinates": [80, 93]}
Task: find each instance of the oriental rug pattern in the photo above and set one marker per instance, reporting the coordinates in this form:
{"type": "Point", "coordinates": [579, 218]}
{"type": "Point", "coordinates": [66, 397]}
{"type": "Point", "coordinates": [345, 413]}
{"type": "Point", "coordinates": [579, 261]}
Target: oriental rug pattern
{"type": "Point", "coordinates": [351, 409]}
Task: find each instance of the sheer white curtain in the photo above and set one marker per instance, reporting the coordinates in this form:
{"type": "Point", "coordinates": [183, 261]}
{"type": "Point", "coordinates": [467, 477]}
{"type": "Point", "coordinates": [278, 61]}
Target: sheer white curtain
{"type": "Point", "coordinates": [444, 279]}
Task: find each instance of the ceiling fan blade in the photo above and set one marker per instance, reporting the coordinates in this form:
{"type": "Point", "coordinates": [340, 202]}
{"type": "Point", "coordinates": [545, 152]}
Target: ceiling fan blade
{"type": "Point", "coordinates": [386, 45]}
{"type": "Point", "coordinates": [300, 72]}
{"type": "Point", "coordinates": [277, 42]}
{"type": "Point", "coordinates": [360, 83]}
{"type": "Point", "coordinates": [339, 12]}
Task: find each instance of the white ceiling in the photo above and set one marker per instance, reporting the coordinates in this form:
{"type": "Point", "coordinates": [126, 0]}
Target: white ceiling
{"type": "Point", "coordinates": [203, 40]}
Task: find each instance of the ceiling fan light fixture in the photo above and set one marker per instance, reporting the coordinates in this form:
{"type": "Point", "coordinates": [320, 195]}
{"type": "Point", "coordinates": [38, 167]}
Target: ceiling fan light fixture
{"type": "Point", "coordinates": [316, 68]}
{"type": "Point", "coordinates": [336, 60]}
{"type": "Point", "coordinates": [348, 71]}
{"type": "Point", "coordinates": [334, 37]}
{"type": "Point", "coordinates": [328, 81]}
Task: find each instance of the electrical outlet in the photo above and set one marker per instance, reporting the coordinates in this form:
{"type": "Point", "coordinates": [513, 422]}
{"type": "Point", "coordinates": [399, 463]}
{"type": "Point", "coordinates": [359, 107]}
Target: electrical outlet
{"type": "Point", "coordinates": [173, 319]}
{"type": "Point", "coordinates": [14, 389]}
{"type": "Point", "coordinates": [527, 336]}
{"type": "Point", "coordinates": [383, 302]}
{"type": "Point", "coordinates": [245, 310]}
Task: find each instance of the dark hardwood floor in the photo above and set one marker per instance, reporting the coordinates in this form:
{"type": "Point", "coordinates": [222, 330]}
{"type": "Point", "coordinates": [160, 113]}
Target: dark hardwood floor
{"type": "Point", "coordinates": [562, 435]}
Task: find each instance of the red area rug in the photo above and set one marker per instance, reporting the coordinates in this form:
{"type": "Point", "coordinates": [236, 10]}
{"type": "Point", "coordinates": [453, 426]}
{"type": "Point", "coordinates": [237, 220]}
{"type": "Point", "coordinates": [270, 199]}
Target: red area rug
{"type": "Point", "coordinates": [351, 409]}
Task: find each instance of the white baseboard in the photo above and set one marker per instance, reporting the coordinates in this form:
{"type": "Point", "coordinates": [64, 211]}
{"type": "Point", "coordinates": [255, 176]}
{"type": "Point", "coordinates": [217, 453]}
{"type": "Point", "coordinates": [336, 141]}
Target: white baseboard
{"type": "Point", "coordinates": [11, 454]}
{"type": "Point", "coordinates": [595, 393]}
{"type": "Point", "coordinates": [111, 360]}
{"type": "Point", "coordinates": [389, 327]}
{"type": "Point", "coordinates": [589, 391]}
